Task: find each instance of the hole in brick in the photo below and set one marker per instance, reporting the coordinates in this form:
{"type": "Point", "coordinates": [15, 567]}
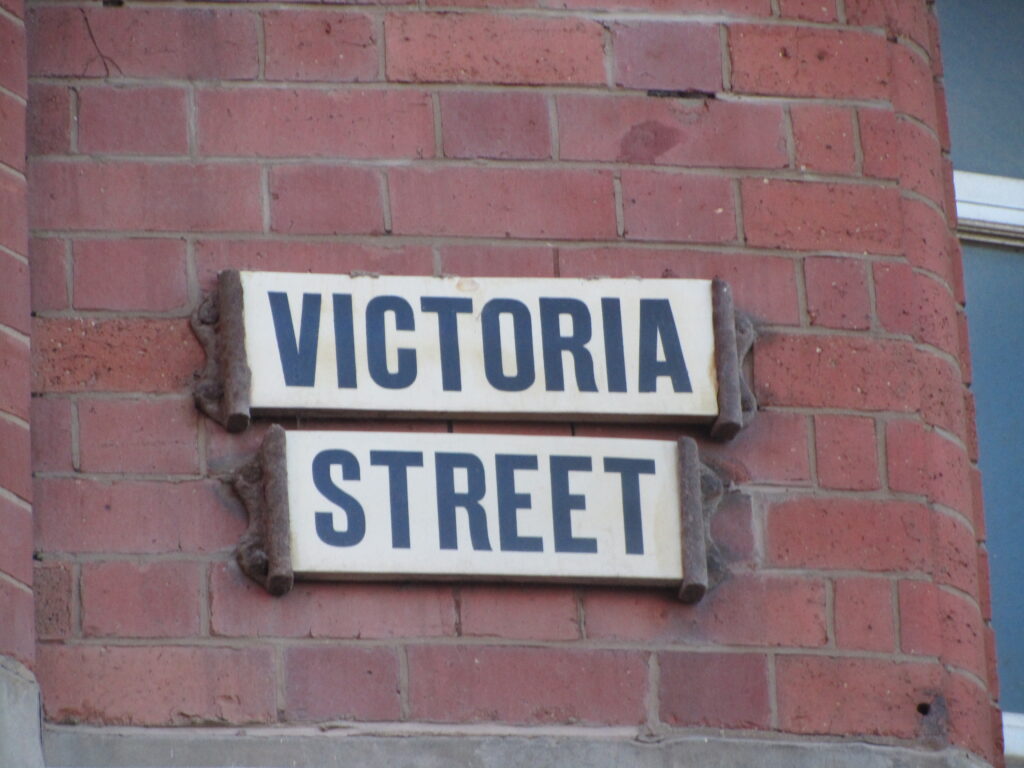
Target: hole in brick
{"type": "Point", "coordinates": [924, 708]}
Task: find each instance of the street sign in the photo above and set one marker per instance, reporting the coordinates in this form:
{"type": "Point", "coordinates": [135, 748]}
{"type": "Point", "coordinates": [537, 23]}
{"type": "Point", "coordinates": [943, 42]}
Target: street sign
{"type": "Point", "coordinates": [385, 505]}
{"type": "Point", "coordinates": [566, 349]}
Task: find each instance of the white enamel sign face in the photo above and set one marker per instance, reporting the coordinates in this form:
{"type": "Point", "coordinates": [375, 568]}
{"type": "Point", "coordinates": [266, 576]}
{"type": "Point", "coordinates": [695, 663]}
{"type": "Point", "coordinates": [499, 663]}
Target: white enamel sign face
{"type": "Point", "coordinates": [378, 505]}
{"type": "Point", "coordinates": [486, 346]}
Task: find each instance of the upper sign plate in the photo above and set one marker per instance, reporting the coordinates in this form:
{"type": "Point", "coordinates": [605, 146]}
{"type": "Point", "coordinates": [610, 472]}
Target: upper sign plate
{"type": "Point", "coordinates": [477, 347]}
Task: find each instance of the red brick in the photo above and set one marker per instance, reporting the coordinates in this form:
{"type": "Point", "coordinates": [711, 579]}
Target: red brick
{"type": "Point", "coordinates": [949, 203]}
{"type": "Point", "coordinates": [984, 584]}
{"type": "Point", "coordinates": [924, 462]}
{"type": "Point", "coordinates": [479, 683]}
{"type": "Point", "coordinates": [670, 56]}
{"type": "Point", "coordinates": [193, 43]}
{"type": "Point", "coordinates": [991, 656]}
{"type": "Point", "coordinates": [681, 208]}
{"type": "Point", "coordinates": [241, 608]}
{"type": "Point", "coordinates": [14, 294]}
{"type": "Point", "coordinates": [339, 683]}
{"type": "Point", "coordinates": [933, 44]}
{"type": "Point", "coordinates": [517, 612]}
{"type": "Point", "coordinates": [116, 355]}
{"type": "Point", "coordinates": [863, 615]}
{"type": "Point", "coordinates": [503, 126]}
{"type": "Point", "coordinates": [48, 122]}
{"type": "Point", "coordinates": [958, 565]}
{"type": "Point", "coordinates": [13, 213]}
{"type": "Point", "coordinates": [15, 459]}
{"type": "Point", "coordinates": [732, 529]}
{"type": "Point", "coordinates": [16, 544]}
{"type": "Point", "coordinates": [126, 599]}
{"type": "Point", "coordinates": [147, 121]}
{"type": "Point", "coordinates": [279, 256]}
{"type": "Point", "coordinates": [836, 372]}
{"type": "Point", "coordinates": [479, 3]}
{"type": "Point", "coordinates": [809, 10]}
{"type": "Point", "coordinates": [897, 17]}
{"type": "Point", "coordinates": [647, 130]}
{"type": "Point", "coordinates": [848, 534]}
{"type": "Point", "coordinates": [130, 516]}
{"type": "Point", "coordinates": [325, 200]}
{"type": "Point", "coordinates": [973, 721]}
{"type": "Point", "coordinates": [13, 71]}
{"type": "Point", "coordinates": [52, 589]}
{"type": "Point", "coordinates": [512, 428]}
{"type": "Point", "coordinates": [373, 425]}
{"type": "Point", "coordinates": [844, 697]}
{"type": "Point", "coordinates": [315, 123]}
{"type": "Point", "coordinates": [502, 202]}
{"type": "Point", "coordinates": [497, 261]}
{"type": "Point", "coordinates": [880, 140]}
{"type": "Point", "coordinates": [120, 195]}
{"type": "Point", "coordinates": [964, 347]}
{"type": "Point", "coordinates": [837, 293]}
{"type": "Point", "coordinates": [942, 392]}
{"type": "Point", "coordinates": [942, 110]}
{"type": "Point", "coordinates": [921, 164]}
{"type": "Point", "coordinates": [726, 7]}
{"type": "Point", "coordinates": [899, 149]}
{"type": "Point", "coordinates": [764, 611]}
{"type": "Point", "coordinates": [484, 48]}
{"type": "Point", "coordinates": [14, 369]}
{"type": "Point", "coordinates": [916, 304]}
{"type": "Point", "coordinates": [156, 685]}
{"type": "Point", "coordinates": [846, 450]}
{"type": "Point", "coordinates": [146, 436]}
{"type": "Point", "coordinates": [811, 216]}
{"type": "Point", "coordinates": [971, 426]}
{"type": "Point", "coordinates": [12, 132]}
{"type": "Point", "coordinates": [714, 690]}
{"type": "Point", "coordinates": [913, 86]}
{"type": "Point", "coordinates": [48, 275]}
{"type": "Point", "coordinates": [14, 7]}
{"type": "Point", "coordinates": [150, 274]}
{"type": "Point", "coordinates": [764, 287]}
{"type": "Point", "coordinates": [824, 137]}
{"type": "Point", "coordinates": [978, 504]}
{"type": "Point", "coordinates": [808, 61]}
{"type": "Point", "coordinates": [328, 46]}
{"type": "Point", "coordinates": [51, 434]}
{"type": "Point", "coordinates": [226, 451]}
{"type": "Point", "coordinates": [935, 622]}
{"type": "Point", "coordinates": [17, 630]}
{"type": "Point", "coordinates": [772, 449]}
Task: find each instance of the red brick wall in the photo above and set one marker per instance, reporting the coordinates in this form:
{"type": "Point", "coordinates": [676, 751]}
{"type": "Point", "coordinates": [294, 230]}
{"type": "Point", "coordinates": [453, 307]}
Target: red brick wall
{"type": "Point", "coordinates": [17, 638]}
{"type": "Point", "coordinates": [577, 137]}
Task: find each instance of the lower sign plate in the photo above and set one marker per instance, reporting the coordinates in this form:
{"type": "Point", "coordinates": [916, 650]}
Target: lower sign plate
{"type": "Point", "coordinates": [368, 505]}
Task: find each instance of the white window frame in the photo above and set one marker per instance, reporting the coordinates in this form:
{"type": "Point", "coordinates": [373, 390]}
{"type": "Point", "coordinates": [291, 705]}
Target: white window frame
{"type": "Point", "coordinates": [990, 208]}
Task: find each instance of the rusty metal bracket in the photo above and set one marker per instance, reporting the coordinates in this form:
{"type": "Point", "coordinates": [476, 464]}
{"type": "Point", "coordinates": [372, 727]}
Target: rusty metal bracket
{"type": "Point", "coordinates": [700, 490]}
{"type": "Point", "coordinates": [734, 338]}
{"type": "Point", "coordinates": [221, 390]}
{"type": "Point", "coordinates": [264, 551]}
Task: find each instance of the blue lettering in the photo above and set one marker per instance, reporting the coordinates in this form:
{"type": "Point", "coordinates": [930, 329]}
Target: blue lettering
{"type": "Point", "coordinates": [448, 500]}
{"type": "Point", "coordinates": [657, 321]}
{"type": "Point", "coordinates": [554, 344]}
{"type": "Point", "coordinates": [376, 343]}
{"type": "Point", "coordinates": [356, 528]}
{"type": "Point", "coordinates": [298, 357]}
